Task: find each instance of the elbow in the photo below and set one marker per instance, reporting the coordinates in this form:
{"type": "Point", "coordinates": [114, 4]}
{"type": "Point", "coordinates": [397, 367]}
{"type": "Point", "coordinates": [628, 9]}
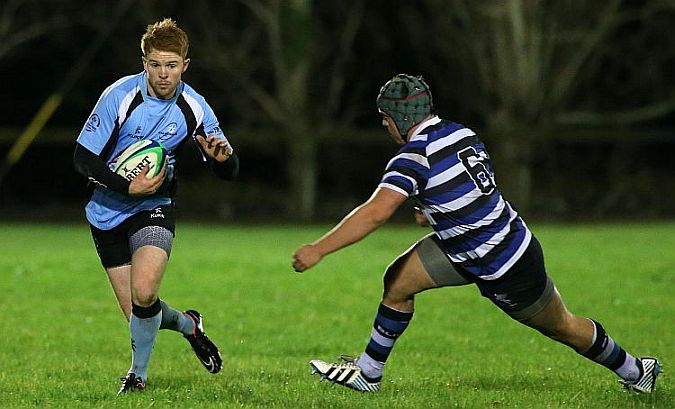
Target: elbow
{"type": "Point", "coordinates": [379, 217]}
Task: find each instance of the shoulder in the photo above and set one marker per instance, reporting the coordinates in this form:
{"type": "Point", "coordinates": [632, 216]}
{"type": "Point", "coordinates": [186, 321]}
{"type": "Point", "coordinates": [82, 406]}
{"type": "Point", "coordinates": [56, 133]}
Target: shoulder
{"type": "Point", "coordinates": [191, 94]}
{"type": "Point", "coordinates": [124, 88]}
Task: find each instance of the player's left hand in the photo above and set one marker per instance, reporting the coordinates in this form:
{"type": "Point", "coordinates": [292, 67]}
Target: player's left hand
{"type": "Point", "coordinates": [420, 218]}
{"type": "Point", "coordinates": [306, 257]}
{"type": "Point", "coordinates": [216, 148]}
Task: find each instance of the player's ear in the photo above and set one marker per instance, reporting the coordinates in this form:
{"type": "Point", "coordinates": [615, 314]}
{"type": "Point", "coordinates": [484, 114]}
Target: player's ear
{"type": "Point", "coordinates": [185, 64]}
{"type": "Point", "coordinates": [145, 63]}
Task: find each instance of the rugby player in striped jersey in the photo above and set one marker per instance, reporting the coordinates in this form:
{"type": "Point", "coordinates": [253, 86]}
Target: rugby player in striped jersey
{"type": "Point", "coordinates": [478, 238]}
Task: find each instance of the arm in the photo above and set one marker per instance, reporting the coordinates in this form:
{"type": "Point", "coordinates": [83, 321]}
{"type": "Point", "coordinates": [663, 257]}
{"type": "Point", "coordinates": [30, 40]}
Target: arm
{"type": "Point", "coordinates": [93, 167]}
{"type": "Point", "coordinates": [355, 226]}
{"type": "Point", "coordinates": [224, 162]}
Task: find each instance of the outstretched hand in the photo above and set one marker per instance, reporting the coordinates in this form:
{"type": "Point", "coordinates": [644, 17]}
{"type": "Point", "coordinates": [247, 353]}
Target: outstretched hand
{"type": "Point", "coordinates": [306, 257]}
{"type": "Point", "coordinates": [216, 148]}
{"type": "Point", "coordinates": [141, 185]}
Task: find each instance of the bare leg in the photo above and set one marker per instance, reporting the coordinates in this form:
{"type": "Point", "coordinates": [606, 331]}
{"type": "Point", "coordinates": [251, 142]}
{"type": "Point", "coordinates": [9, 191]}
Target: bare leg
{"type": "Point", "coordinates": [585, 336]}
{"type": "Point", "coordinates": [557, 323]}
{"type": "Point", "coordinates": [120, 280]}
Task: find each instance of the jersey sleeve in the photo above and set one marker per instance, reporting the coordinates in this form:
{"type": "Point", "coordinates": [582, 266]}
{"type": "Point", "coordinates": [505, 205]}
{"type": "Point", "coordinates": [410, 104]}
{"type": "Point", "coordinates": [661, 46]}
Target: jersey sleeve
{"type": "Point", "coordinates": [210, 124]}
{"type": "Point", "coordinates": [406, 171]}
{"type": "Point", "coordinates": [100, 125]}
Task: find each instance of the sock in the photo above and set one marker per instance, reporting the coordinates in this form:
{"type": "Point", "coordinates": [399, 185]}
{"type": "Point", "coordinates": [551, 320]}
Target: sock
{"type": "Point", "coordinates": [609, 354]}
{"type": "Point", "coordinates": [388, 326]}
{"type": "Point", "coordinates": [143, 325]}
{"type": "Point", "coordinates": [175, 320]}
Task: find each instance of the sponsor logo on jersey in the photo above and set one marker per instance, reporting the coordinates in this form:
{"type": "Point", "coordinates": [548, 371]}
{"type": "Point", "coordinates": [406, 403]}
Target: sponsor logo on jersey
{"type": "Point", "coordinates": [157, 213]}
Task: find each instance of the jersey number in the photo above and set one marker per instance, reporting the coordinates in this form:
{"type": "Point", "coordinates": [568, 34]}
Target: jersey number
{"type": "Point", "coordinates": [475, 166]}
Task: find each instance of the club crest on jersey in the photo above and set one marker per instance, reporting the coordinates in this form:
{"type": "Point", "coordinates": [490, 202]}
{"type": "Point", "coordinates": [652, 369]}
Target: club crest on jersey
{"type": "Point", "coordinates": [92, 123]}
{"type": "Point", "coordinates": [170, 131]}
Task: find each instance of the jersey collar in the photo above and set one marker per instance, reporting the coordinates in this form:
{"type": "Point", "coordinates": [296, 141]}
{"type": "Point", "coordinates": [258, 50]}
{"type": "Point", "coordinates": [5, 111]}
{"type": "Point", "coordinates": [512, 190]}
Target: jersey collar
{"type": "Point", "coordinates": [422, 126]}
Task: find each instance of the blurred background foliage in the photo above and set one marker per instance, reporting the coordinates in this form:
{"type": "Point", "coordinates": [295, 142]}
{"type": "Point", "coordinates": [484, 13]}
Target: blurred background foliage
{"type": "Point", "coordinates": [573, 99]}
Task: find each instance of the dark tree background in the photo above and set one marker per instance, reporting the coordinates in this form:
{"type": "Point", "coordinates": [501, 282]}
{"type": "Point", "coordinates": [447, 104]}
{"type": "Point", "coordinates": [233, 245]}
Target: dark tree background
{"type": "Point", "coordinates": [574, 99]}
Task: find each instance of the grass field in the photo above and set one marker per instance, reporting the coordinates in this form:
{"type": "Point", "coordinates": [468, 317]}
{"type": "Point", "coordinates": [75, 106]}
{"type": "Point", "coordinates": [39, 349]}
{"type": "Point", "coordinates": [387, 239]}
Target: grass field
{"type": "Point", "coordinates": [66, 344]}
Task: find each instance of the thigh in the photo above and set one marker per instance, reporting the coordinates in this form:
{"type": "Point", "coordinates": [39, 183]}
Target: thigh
{"type": "Point", "coordinates": [421, 267]}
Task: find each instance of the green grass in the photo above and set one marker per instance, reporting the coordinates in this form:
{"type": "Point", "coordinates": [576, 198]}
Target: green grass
{"type": "Point", "coordinates": [65, 343]}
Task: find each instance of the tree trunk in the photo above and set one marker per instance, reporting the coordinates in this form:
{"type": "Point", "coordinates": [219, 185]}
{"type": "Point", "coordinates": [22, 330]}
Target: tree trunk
{"type": "Point", "coordinates": [301, 169]}
{"type": "Point", "coordinates": [511, 151]}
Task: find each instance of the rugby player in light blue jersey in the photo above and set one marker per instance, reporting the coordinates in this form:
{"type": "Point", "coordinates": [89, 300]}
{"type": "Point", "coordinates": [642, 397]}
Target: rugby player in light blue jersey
{"type": "Point", "coordinates": [478, 239]}
{"type": "Point", "coordinates": [132, 222]}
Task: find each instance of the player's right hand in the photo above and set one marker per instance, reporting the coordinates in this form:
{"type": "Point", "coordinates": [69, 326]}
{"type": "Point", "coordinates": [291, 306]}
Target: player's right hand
{"type": "Point", "coordinates": [306, 257]}
{"type": "Point", "coordinates": [141, 185]}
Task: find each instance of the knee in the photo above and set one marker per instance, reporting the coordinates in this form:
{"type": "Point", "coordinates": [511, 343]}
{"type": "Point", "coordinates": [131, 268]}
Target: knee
{"type": "Point", "coordinates": [394, 288]}
{"type": "Point", "coordinates": [143, 297]}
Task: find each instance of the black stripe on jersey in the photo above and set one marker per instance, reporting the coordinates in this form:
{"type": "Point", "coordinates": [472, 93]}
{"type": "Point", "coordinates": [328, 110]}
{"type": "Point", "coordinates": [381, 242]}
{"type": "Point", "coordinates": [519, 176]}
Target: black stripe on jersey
{"type": "Point", "coordinates": [115, 134]}
{"type": "Point", "coordinates": [190, 121]}
{"type": "Point", "coordinates": [112, 142]}
{"type": "Point", "coordinates": [418, 150]}
{"type": "Point", "coordinates": [451, 150]}
{"type": "Point", "coordinates": [138, 100]}
{"type": "Point", "coordinates": [450, 185]}
{"type": "Point", "coordinates": [472, 207]}
{"type": "Point", "coordinates": [473, 234]}
{"type": "Point", "coordinates": [407, 172]}
{"type": "Point", "coordinates": [497, 251]}
{"type": "Point", "coordinates": [435, 128]}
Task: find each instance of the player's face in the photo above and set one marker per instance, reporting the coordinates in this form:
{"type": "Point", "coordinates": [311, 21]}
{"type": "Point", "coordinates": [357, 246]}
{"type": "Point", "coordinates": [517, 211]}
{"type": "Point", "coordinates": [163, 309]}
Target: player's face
{"type": "Point", "coordinates": [391, 127]}
{"type": "Point", "coordinates": [164, 70]}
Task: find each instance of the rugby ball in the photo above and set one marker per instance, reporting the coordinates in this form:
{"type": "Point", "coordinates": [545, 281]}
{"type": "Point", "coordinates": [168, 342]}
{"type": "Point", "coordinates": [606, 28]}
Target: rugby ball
{"type": "Point", "coordinates": [133, 159]}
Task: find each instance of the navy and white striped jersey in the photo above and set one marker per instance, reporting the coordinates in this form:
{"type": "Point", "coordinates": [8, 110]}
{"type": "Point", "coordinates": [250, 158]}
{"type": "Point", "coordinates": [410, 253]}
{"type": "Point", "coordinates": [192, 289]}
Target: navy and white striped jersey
{"type": "Point", "coordinates": [446, 169]}
{"type": "Point", "coordinates": [125, 113]}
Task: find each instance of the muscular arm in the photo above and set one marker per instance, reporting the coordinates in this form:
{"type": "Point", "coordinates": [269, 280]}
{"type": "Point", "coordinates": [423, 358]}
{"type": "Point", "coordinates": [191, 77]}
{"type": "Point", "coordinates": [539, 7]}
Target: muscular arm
{"type": "Point", "coordinates": [355, 226]}
{"type": "Point", "coordinates": [93, 167]}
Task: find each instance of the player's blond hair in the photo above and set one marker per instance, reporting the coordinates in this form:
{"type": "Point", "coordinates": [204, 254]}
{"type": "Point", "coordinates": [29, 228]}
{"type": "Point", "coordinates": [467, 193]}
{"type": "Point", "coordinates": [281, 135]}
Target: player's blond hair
{"type": "Point", "coordinates": [165, 35]}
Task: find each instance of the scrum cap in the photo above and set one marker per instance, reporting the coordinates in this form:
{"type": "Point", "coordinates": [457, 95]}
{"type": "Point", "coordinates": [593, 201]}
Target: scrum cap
{"type": "Point", "coordinates": [407, 100]}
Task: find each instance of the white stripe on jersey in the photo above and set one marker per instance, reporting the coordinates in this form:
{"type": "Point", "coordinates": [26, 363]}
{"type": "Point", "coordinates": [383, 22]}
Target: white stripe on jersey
{"type": "Point", "coordinates": [458, 230]}
{"type": "Point", "coordinates": [446, 175]}
{"type": "Point", "coordinates": [394, 188]}
{"type": "Point", "coordinates": [516, 256]}
{"type": "Point", "coordinates": [415, 157]}
{"type": "Point", "coordinates": [483, 249]}
{"type": "Point", "coordinates": [196, 108]}
{"type": "Point", "coordinates": [399, 174]}
{"type": "Point", "coordinates": [448, 140]}
{"type": "Point", "coordinates": [124, 105]}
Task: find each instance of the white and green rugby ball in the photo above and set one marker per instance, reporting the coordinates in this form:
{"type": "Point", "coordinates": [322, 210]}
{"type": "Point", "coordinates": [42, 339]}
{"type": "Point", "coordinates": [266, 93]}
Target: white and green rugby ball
{"type": "Point", "coordinates": [133, 159]}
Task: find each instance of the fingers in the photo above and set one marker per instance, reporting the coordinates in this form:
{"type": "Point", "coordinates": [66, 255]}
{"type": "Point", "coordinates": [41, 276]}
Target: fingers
{"type": "Point", "coordinates": [305, 258]}
{"type": "Point", "coordinates": [216, 148]}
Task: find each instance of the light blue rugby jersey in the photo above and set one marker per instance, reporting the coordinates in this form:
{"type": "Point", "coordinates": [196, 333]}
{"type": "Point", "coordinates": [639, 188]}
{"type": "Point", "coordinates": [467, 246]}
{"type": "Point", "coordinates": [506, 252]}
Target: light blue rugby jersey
{"type": "Point", "coordinates": [125, 114]}
{"type": "Point", "coordinates": [446, 169]}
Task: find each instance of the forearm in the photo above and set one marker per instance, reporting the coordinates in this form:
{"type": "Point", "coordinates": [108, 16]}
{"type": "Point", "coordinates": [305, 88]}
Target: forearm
{"type": "Point", "coordinates": [93, 167]}
{"type": "Point", "coordinates": [227, 170]}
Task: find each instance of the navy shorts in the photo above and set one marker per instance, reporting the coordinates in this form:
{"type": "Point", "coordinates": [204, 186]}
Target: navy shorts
{"type": "Point", "coordinates": [113, 246]}
{"type": "Point", "coordinates": [522, 292]}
